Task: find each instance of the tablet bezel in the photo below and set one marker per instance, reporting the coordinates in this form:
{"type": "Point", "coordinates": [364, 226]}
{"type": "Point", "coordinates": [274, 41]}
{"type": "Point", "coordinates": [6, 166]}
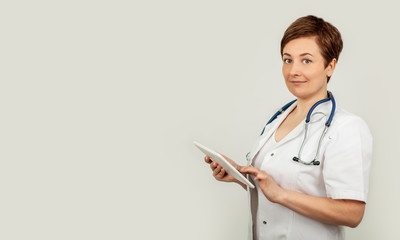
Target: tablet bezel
{"type": "Point", "coordinates": [229, 168]}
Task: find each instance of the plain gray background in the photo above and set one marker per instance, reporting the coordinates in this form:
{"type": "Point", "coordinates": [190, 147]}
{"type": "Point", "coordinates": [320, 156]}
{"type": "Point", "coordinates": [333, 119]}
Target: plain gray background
{"type": "Point", "coordinates": [100, 102]}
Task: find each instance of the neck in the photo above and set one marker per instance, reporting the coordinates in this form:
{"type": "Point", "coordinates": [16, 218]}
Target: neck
{"type": "Point", "coordinates": [304, 104]}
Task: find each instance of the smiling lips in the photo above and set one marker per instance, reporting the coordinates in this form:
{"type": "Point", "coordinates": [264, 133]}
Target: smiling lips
{"type": "Point", "coordinates": [297, 82]}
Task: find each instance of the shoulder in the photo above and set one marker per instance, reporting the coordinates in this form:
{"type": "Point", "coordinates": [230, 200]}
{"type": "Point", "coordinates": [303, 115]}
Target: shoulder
{"type": "Point", "coordinates": [344, 121]}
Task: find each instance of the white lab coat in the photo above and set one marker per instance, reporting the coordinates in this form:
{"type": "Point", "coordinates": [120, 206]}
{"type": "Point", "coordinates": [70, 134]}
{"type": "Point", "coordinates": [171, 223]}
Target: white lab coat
{"type": "Point", "coordinates": [345, 157]}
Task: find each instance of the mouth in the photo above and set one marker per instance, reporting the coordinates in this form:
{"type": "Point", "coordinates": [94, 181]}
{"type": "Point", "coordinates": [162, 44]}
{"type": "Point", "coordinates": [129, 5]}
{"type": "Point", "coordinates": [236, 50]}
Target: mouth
{"type": "Point", "coordinates": [297, 82]}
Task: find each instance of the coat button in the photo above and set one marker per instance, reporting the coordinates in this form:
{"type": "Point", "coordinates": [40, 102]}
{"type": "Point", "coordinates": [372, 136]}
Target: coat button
{"type": "Point", "coordinates": [264, 222]}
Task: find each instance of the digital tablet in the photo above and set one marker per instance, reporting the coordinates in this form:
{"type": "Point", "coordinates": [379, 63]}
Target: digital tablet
{"type": "Point", "coordinates": [229, 168]}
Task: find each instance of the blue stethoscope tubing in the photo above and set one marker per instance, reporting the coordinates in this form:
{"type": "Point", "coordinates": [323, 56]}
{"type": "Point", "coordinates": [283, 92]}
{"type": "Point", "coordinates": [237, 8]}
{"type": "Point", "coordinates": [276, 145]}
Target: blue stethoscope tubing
{"type": "Point", "coordinates": [307, 123]}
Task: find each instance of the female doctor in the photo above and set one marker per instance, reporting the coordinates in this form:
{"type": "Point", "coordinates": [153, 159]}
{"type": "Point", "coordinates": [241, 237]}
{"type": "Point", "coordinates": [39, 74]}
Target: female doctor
{"type": "Point", "coordinates": [311, 163]}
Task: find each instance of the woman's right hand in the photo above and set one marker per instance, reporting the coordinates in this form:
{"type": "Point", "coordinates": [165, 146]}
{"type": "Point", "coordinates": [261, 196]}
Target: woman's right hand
{"type": "Point", "coordinates": [219, 173]}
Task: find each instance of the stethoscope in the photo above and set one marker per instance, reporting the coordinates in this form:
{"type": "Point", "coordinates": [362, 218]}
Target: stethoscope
{"type": "Point", "coordinates": [307, 123]}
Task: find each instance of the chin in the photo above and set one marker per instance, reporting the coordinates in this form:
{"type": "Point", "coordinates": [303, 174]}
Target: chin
{"type": "Point", "coordinates": [305, 93]}
{"type": "Point", "coordinates": [299, 93]}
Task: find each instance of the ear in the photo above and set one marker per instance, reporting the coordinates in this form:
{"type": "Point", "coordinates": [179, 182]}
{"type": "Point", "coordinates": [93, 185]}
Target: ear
{"type": "Point", "coordinates": [331, 67]}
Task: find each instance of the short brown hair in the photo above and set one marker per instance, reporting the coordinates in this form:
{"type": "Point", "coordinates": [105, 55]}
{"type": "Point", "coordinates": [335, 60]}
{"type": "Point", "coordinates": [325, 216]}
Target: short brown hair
{"type": "Point", "coordinates": [327, 36]}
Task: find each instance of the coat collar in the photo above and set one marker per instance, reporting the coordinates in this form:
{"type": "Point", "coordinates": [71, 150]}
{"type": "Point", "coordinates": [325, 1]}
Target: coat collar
{"type": "Point", "coordinates": [271, 128]}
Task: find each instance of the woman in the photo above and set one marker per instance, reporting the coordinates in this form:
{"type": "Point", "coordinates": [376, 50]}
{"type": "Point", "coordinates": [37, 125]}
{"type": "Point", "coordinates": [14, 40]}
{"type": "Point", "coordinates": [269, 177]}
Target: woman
{"type": "Point", "coordinates": [293, 200]}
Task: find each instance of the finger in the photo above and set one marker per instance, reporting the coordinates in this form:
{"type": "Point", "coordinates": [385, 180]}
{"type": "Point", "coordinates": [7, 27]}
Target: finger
{"type": "Point", "coordinates": [213, 165]}
{"type": "Point", "coordinates": [216, 171]}
{"type": "Point", "coordinates": [207, 159]}
{"type": "Point", "coordinates": [250, 170]}
{"type": "Point", "coordinates": [221, 174]}
{"type": "Point", "coordinates": [238, 167]}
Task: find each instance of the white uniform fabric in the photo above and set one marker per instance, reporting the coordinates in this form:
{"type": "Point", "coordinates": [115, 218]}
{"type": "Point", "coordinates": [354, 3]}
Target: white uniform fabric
{"type": "Point", "coordinates": [345, 157]}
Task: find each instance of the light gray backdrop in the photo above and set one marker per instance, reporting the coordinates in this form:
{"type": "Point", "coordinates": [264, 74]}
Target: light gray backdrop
{"type": "Point", "coordinates": [100, 102]}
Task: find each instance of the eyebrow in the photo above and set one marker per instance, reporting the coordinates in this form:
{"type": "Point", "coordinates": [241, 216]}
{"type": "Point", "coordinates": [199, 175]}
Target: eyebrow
{"type": "Point", "coordinates": [301, 55]}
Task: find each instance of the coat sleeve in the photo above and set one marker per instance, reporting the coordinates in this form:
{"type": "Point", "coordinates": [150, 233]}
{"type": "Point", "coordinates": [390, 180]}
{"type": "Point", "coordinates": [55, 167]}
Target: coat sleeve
{"type": "Point", "coordinates": [347, 160]}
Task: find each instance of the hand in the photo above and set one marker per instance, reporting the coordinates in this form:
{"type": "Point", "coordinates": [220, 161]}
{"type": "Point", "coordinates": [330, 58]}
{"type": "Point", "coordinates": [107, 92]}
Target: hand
{"type": "Point", "coordinates": [268, 186]}
{"type": "Point", "coordinates": [219, 173]}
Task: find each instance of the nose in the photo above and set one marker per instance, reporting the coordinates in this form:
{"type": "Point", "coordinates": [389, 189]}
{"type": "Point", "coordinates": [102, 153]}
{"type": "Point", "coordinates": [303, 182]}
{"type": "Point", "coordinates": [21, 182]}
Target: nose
{"type": "Point", "coordinates": [294, 69]}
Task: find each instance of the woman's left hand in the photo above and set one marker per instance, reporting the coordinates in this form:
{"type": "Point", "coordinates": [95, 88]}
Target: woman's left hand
{"type": "Point", "coordinates": [267, 184]}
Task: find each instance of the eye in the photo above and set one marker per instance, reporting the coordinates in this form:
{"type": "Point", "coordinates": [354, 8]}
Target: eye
{"type": "Point", "coordinates": [287, 60]}
{"type": "Point", "coordinates": [306, 61]}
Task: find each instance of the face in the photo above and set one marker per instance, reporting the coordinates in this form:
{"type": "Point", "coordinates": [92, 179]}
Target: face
{"type": "Point", "coordinates": [304, 69]}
